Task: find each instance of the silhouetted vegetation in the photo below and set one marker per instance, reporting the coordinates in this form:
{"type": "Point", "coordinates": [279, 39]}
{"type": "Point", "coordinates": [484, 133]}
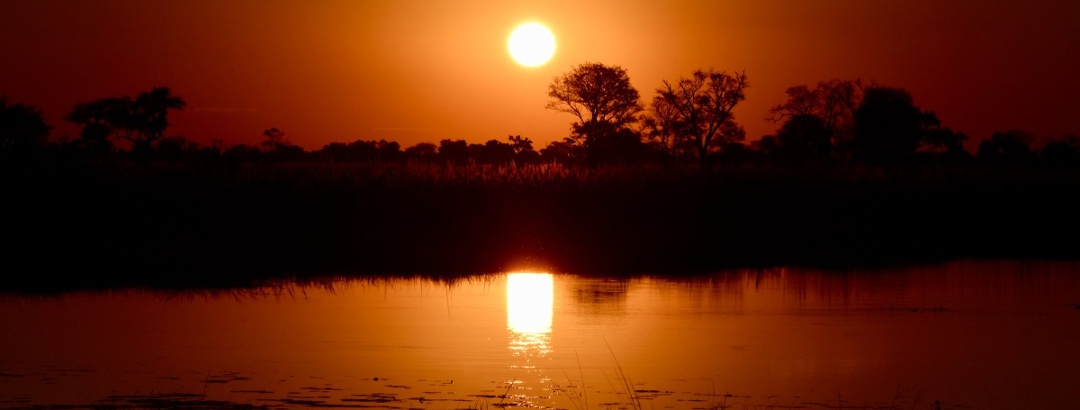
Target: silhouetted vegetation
{"type": "Point", "coordinates": [141, 121]}
{"type": "Point", "coordinates": [1007, 148]}
{"type": "Point", "coordinates": [700, 108]}
{"type": "Point", "coordinates": [22, 129]}
{"type": "Point", "coordinates": [604, 103]}
{"type": "Point", "coordinates": [854, 175]}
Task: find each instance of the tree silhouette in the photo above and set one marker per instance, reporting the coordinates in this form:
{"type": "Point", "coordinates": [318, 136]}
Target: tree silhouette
{"type": "Point", "coordinates": [150, 115]}
{"type": "Point", "coordinates": [389, 151]}
{"type": "Point", "coordinates": [423, 152]}
{"type": "Point", "coordinates": [496, 152]}
{"type": "Point", "coordinates": [1064, 151]}
{"type": "Point", "coordinates": [21, 127]}
{"type": "Point", "coordinates": [942, 141]}
{"type": "Point", "coordinates": [702, 105]}
{"type": "Point", "coordinates": [600, 96]}
{"type": "Point", "coordinates": [804, 136]}
{"type": "Point", "coordinates": [279, 148]}
{"type": "Point", "coordinates": [659, 126]}
{"type": "Point", "coordinates": [454, 152]}
{"type": "Point", "coordinates": [566, 151]}
{"type": "Point", "coordinates": [178, 148]}
{"type": "Point", "coordinates": [362, 151]}
{"type": "Point", "coordinates": [274, 139]}
{"type": "Point", "coordinates": [834, 102]}
{"type": "Point", "coordinates": [99, 120]}
{"type": "Point", "coordinates": [618, 147]}
{"type": "Point", "coordinates": [141, 120]}
{"type": "Point", "coordinates": [1007, 148]}
{"type": "Point", "coordinates": [523, 150]}
{"type": "Point", "coordinates": [888, 127]}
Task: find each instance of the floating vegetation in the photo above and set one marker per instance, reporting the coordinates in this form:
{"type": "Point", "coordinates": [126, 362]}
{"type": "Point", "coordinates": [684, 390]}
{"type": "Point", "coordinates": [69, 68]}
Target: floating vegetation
{"type": "Point", "coordinates": [372, 398]}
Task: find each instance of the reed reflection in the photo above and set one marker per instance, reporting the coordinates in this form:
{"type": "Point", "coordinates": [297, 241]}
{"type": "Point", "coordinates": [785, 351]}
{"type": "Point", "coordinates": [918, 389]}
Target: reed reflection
{"type": "Point", "coordinates": [529, 310]}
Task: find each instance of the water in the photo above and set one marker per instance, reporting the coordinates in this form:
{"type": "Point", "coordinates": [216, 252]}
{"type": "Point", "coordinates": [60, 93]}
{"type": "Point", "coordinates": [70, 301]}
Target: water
{"type": "Point", "coordinates": [960, 335]}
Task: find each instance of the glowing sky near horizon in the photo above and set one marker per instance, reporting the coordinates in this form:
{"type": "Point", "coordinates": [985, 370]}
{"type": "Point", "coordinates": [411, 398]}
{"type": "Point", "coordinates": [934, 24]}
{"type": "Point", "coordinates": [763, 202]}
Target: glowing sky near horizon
{"type": "Point", "coordinates": [421, 71]}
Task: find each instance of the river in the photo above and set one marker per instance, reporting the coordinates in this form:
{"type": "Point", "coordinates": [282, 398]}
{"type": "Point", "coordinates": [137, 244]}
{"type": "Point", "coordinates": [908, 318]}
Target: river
{"type": "Point", "coordinates": [967, 334]}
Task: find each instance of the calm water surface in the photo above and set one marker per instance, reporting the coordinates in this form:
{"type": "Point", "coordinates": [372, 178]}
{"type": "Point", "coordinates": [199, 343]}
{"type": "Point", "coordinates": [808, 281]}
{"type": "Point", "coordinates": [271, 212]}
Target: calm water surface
{"type": "Point", "coordinates": [961, 335]}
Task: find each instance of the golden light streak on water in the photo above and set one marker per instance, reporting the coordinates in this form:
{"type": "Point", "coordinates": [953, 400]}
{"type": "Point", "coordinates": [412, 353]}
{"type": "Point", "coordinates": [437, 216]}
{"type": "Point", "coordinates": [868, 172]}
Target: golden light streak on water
{"type": "Point", "coordinates": [530, 300]}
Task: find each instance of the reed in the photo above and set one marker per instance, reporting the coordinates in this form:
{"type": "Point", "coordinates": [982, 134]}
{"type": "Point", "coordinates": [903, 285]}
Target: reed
{"type": "Point", "coordinates": [221, 225]}
{"type": "Point", "coordinates": [626, 386]}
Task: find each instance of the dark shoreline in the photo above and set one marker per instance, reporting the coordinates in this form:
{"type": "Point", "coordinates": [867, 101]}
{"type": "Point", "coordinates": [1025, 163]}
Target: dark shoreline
{"type": "Point", "coordinates": [83, 226]}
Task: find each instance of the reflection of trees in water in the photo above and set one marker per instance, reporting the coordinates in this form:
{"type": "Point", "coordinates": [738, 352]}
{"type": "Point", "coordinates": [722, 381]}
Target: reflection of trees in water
{"type": "Point", "coordinates": [601, 296]}
{"type": "Point", "coordinates": [886, 287]}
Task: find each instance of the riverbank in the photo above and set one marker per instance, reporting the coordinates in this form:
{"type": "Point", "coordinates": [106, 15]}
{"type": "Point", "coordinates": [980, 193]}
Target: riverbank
{"type": "Point", "coordinates": [172, 225]}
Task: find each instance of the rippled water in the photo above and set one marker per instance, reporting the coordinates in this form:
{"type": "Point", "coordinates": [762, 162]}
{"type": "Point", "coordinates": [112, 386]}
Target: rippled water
{"type": "Point", "coordinates": [960, 335]}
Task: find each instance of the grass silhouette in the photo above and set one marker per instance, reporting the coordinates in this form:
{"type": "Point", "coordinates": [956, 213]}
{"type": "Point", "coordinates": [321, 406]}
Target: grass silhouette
{"type": "Point", "coordinates": [184, 225]}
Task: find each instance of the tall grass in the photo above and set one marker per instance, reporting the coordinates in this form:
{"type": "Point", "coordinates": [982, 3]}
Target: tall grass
{"type": "Point", "coordinates": [626, 386]}
{"type": "Point", "coordinates": [194, 224]}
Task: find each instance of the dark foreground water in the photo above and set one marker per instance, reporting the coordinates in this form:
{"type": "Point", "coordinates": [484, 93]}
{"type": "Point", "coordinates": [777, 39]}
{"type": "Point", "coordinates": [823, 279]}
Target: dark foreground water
{"type": "Point", "coordinates": [961, 335]}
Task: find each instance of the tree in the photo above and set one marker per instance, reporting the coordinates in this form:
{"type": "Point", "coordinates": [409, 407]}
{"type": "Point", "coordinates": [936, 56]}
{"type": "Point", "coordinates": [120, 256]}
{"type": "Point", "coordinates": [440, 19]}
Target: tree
{"type": "Point", "coordinates": [804, 136]}
{"type": "Point", "coordinates": [888, 127]}
{"type": "Point", "coordinates": [496, 152]}
{"type": "Point", "coordinates": [422, 152]}
{"type": "Point", "coordinates": [389, 151]}
{"type": "Point", "coordinates": [1007, 148]}
{"type": "Point", "coordinates": [279, 148]}
{"type": "Point", "coordinates": [520, 143]}
{"type": "Point", "coordinates": [523, 150]}
{"type": "Point", "coordinates": [941, 141]}
{"type": "Point", "coordinates": [356, 151]}
{"type": "Point", "coordinates": [150, 114]}
{"type": "Point", "coordinates": [564, 152]}
{"type": "Point", "coordinates": [702, 106]}
{"type": "Point", "coordinates": [1064, 151]}
{"type": "Point", "coordinates": [600, 96]}
{"type": "Point", "coordinates": [620, 147]}
{"type": "Point", "coordinates": [834, 102]}
{"type": "Point", "coordinates": [274, 138]}
{"type": "Point", "coordinates": [99, 120]}
{"type": "Point", "coordinates": [247, 153]}
{"type": "Point", "coordinates": [454, 151]}
{"type": "Point", "coordinates": [659, 128]}
{"type": "Point", "coordinates": [178, 148]}
{"type": "Point", "coordinates": [21, 127]}
{"type": "Point", "coordinates": [141, 120]}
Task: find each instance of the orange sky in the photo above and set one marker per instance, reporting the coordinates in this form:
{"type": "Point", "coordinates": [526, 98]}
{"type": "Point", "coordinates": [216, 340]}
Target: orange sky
{"type": "Point", "coordinates": [416, 71]}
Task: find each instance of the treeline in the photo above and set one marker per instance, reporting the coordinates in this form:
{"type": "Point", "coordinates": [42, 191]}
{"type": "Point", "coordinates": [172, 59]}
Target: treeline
{"type": "Point", "coordinates": [856, 174]}
{"type": "Point", "coordinates": [688, 123]}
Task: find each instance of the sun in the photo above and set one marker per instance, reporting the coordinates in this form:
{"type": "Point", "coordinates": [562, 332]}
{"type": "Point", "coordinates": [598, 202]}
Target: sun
{"type": "Point", "coordinates": [531, 44]}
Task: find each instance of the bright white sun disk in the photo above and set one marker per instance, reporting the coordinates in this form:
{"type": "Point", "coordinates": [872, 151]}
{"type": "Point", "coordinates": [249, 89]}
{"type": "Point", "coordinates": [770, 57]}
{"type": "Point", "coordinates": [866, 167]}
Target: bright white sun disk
{"type": "Point", "coordinates": [531, 44]}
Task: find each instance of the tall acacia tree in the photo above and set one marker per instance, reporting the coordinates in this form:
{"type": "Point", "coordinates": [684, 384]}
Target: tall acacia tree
{"type": "Point", "coordinates": [703, 105]}
{"type": "Point", "coordinates": [601, 98]}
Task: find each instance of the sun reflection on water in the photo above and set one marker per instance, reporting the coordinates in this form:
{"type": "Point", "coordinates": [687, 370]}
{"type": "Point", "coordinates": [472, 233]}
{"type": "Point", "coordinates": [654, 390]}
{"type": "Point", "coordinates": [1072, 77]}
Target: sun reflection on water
{"type": "Point", "coordinates": [529, 310]}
